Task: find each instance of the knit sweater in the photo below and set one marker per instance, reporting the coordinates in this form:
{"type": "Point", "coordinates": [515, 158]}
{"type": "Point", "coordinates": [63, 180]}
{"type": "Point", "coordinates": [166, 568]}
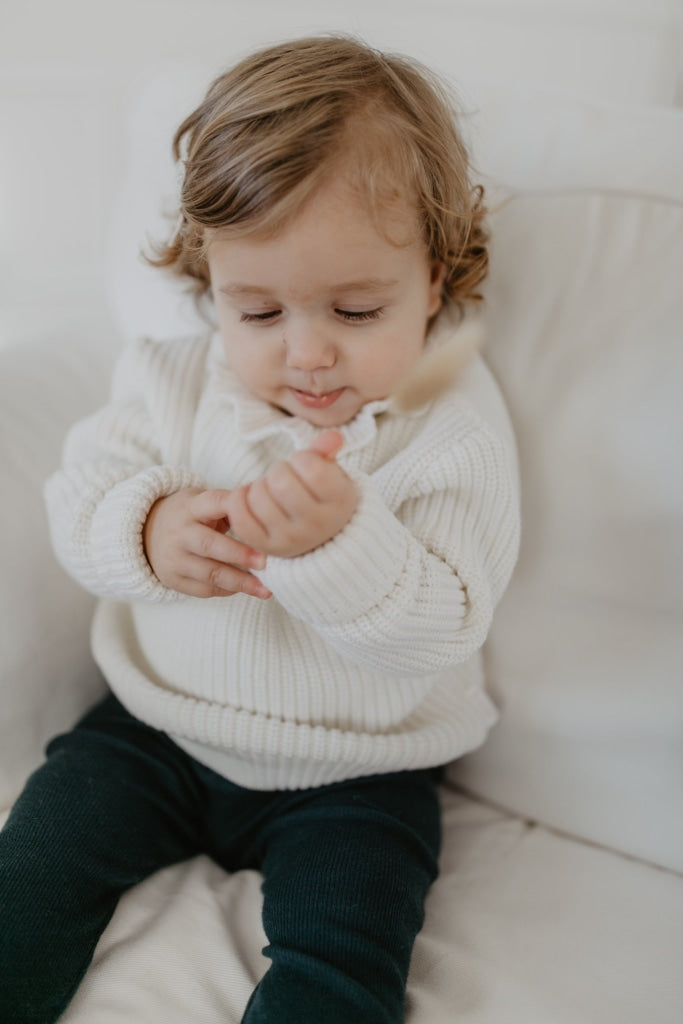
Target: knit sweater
{"type": "Point", "coordinates": [366, 658]}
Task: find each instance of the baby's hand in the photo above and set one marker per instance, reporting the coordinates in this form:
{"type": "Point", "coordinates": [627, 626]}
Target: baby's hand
{"type": "Point", "coordinates": [298, 505]}
{"type": "Point", "coordinates": [186, 545]}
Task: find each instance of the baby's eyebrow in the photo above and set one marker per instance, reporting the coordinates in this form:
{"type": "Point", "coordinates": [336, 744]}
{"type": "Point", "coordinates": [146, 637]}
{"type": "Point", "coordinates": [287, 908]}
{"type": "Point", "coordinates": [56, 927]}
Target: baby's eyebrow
{"type": "Point", "coordinates": [367, 284]}
{"type": "Point", "coordinates": [243, 289]}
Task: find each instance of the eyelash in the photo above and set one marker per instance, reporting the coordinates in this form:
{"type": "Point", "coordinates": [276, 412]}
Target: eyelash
{"type": "Point", "coordinates": [366, 314]}
{"type": "Point", "coordinates": [351, 317]}
{"type": "Point", "coordinates": [258, 318]}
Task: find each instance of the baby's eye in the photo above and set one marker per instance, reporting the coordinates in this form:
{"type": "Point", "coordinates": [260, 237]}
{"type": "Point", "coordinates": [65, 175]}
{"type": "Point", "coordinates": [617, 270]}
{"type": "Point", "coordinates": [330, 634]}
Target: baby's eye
{"type": "Point", "coordinates": [360, 315]}
{"type": "Point", "coordinates": [259, 318]}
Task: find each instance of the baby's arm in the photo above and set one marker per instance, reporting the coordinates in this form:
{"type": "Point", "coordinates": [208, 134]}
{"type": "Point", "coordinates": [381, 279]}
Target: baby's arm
{"type": "Point", "coordinates": [122, 505]}
{"type": "Point", "coordinates": [410, 584]}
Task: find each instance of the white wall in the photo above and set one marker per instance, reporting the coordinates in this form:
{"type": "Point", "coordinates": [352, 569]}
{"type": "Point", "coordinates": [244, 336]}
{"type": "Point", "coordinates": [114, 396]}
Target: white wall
{"type": "Point", "coordinates": [70, 71]}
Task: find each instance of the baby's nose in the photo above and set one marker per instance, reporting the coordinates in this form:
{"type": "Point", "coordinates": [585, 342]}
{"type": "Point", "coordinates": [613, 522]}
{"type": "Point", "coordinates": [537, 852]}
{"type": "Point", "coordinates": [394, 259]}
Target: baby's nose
{"type": "Point", "coordinates": [307, 347]}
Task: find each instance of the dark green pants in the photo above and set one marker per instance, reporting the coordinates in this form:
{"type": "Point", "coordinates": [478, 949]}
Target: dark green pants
{"type": "Point", "coordinates": [346, 870]}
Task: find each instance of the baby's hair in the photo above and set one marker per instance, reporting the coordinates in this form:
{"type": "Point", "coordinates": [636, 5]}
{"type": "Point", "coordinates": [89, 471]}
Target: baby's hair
{"type": "Point", "coordinates": [273, 128]}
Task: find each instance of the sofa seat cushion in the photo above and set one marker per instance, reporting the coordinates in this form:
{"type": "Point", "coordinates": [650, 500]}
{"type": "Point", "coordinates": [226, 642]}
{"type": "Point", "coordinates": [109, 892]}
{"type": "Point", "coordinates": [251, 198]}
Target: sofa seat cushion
{"type": "Point", "coordinates": [523, 926]}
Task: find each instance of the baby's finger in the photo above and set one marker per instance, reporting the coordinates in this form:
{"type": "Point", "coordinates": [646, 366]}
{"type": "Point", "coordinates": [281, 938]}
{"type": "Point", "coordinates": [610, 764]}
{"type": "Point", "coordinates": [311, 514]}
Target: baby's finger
{"type": "Point", "coordinates": [268, 499]}
{"type": "Point", "coordinates": [208, 543]}
{"type": "Point", "coordinates": [324, 479]}
{"type": "Point", "coordinates": [327, 444]}
{"type": "Point", "coordinates": [210, 506]}
{"type": "Point", "coordinates": [245, 524]}
{"type": "Point", "coordinates": [287, 489]}
{"type": "Point", "coordinates": [217, 579]}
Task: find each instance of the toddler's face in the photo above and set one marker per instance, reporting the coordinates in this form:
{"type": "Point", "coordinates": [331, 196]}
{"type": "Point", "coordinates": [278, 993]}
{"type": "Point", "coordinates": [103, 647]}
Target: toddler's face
{"type": "Point", "coordinates": [328, 314]}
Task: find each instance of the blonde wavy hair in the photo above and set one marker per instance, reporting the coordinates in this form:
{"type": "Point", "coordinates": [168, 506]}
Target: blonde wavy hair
{"type": "Point", "coordinates": [271, 129]}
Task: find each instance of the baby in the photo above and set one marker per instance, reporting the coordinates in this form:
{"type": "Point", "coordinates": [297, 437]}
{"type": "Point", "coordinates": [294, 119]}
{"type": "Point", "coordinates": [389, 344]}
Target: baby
{"type": "Point", "coordinates": [296, 578]}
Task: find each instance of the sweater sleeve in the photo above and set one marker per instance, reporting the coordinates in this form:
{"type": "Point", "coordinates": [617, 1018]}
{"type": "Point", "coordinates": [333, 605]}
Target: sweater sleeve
{"type": "Point", "coordinates": [414, 590]}
{"type": "Point", "coordinates": [113, 470]}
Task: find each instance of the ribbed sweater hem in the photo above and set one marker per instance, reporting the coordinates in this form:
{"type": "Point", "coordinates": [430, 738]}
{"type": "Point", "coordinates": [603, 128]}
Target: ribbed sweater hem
{"type": "Point", "coordinates": [261, 752]}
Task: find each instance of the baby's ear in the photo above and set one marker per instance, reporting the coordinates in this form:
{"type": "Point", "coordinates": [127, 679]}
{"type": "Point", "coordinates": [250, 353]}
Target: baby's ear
{"type": "Point", "coordinates": [436, 279]}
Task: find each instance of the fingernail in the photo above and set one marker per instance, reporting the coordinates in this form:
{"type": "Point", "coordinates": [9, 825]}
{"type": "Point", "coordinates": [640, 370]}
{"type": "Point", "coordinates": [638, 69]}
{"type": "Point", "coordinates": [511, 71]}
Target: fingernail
{"type": "Point", "coordinates": [257, 560]}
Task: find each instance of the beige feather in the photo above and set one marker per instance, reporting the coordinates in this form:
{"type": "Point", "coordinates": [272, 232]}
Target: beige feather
{"type": "Point", "coordinates": [438, 369]}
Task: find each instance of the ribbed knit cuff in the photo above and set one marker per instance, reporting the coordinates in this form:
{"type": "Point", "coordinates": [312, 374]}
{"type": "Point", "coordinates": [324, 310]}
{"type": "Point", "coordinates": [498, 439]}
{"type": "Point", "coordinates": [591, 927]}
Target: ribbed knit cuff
{"type": "Point", "coordinates": [350, 574]}
{"type": "Point", "coordinates": [116, 543]}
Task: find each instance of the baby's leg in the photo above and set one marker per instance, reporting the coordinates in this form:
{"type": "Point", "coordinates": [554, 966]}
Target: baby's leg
{"type": "Point", "coordinates": [346, 875]}
{"type": "Point", "coordinates": [114, 802]}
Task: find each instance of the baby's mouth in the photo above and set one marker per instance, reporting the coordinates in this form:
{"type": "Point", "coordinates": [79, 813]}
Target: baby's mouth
{"type": "Point", "coordinates": [313, 400]}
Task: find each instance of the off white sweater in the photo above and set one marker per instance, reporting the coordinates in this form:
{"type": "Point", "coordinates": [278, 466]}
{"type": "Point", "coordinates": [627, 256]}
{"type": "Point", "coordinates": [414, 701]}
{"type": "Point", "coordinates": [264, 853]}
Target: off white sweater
{"type": "Point", "coordinates": [366, 659]}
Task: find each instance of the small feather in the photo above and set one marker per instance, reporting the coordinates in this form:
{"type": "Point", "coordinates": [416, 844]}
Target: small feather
{"type": "Point", "coordinates": [438, 369]}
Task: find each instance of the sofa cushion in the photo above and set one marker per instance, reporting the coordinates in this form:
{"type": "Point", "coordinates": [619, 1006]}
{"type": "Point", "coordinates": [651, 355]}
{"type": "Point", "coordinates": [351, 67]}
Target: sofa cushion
{"type": "Point", "coordinates": [585, 655]}
{"type": "Point", "coordinates": [48, 676]}
{"type": "Point", "coordinates": [584, 317]}
{"type": "Point", "coordinates": [504, 938]}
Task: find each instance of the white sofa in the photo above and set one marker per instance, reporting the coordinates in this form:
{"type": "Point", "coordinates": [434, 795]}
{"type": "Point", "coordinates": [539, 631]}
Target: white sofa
{"type": "Point", "coordinates": [560, 899]}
